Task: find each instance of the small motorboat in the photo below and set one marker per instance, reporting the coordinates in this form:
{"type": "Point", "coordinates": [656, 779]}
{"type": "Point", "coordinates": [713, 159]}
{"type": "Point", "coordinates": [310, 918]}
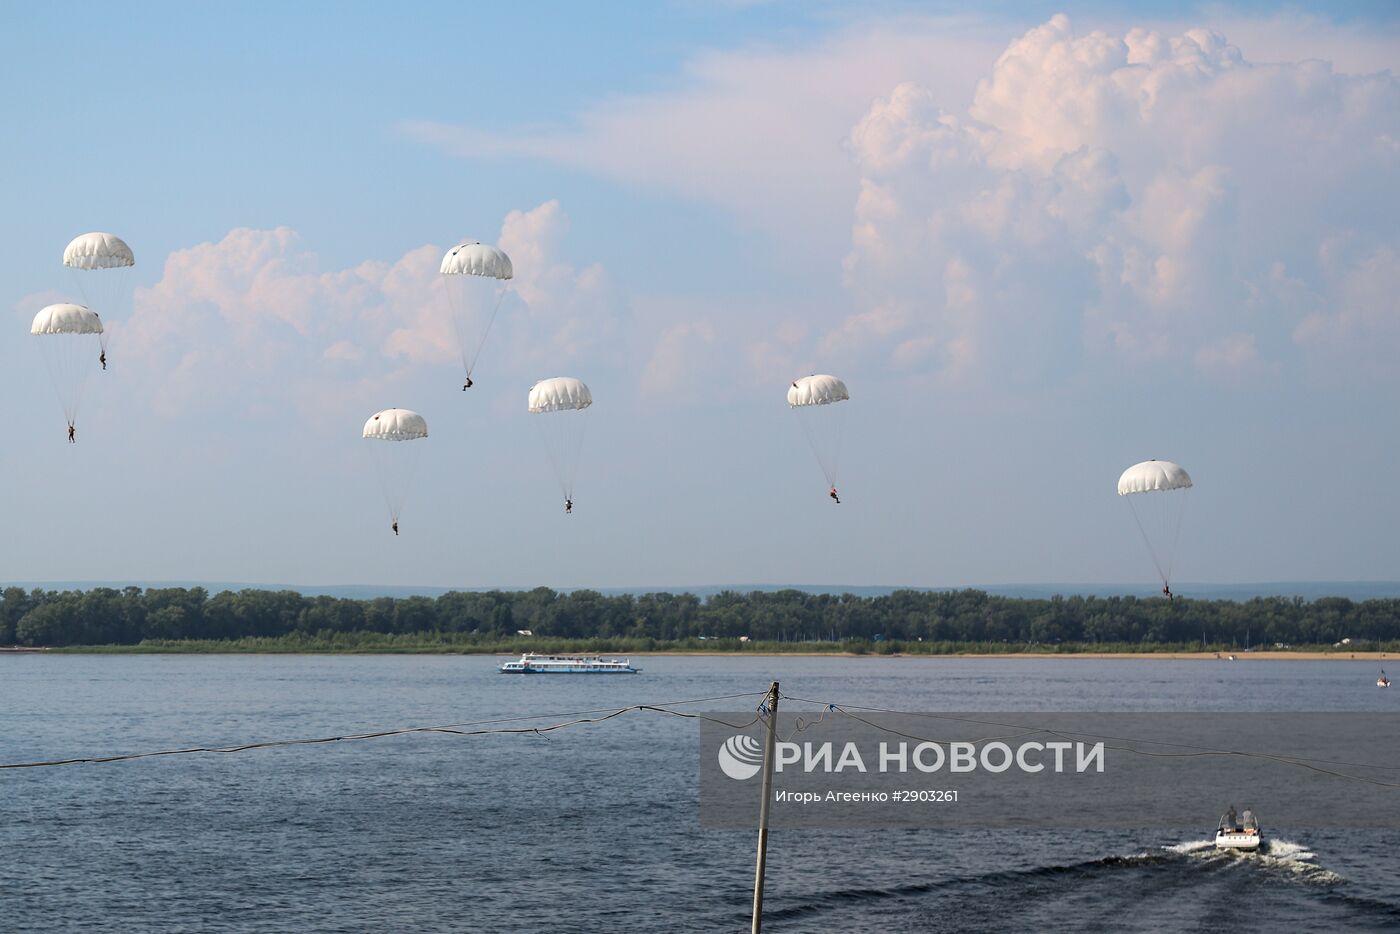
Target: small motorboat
{"type": "Point", "coordinates": [1238, 834]}
{"type": "Point", "coordinates": [1382, 681]}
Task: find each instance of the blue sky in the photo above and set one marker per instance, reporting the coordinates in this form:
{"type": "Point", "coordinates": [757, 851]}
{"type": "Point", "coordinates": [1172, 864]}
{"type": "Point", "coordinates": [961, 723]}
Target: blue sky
{"type": "Point", "coordinates": [1037, 248]}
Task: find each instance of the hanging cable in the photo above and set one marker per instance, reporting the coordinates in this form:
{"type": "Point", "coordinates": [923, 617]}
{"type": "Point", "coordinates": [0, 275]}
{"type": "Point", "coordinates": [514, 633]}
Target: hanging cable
{"type": "Point", "coordinates": [468, 728]}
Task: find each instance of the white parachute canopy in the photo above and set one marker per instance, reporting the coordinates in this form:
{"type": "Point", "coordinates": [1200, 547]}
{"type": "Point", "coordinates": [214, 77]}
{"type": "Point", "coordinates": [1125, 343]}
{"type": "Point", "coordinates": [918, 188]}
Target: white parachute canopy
{"type": "Point", "coordinates": [816, 399]}
{"type": "Point", "coordinates": [98, 251]}
{"type": "Point", "coordinates": [562, 403]}
{"type": "Point", "coordinates": [66, 318]}
{"type": "Point", "coordinates": [69, 336]}
{"type": "Point", "coordinates": [102, 270]}
{"type": "Point", "coordinates": [476, 278]}
{"type": "Point", "coordinates": [396, 464]}
{"type": "Point", "coordinates": [1156, 493]}
{"type": "Point", "coordinates": [396, 425]}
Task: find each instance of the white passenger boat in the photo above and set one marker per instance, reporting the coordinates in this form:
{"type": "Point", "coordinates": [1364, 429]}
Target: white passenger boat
{"type": "Point", "coordinates": [1238, 834]}
{"type": "Point", "coordinates": [532, 664]}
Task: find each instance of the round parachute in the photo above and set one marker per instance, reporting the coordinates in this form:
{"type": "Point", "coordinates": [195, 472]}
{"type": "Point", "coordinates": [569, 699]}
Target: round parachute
{"type": "Point", "coordinates": [396, 425]}
{"type": "Point", "coordinates": [478, 277]}
{"type": "Point", "coordinates": [559, 394]}
{"type": "Point", "coordinates": [564, 401]}
{"type": "Point", "coordinates": [1153, 477]}
{"type": "Point", "coordinates": [475, 258]}
{"type": "Point", "coordinates": [71, 342]}
{"type": "Point", "coordinates": [66, 318]}
{"type": "Point", "coordinates": [814, 399]}
{"type": "Point", "coordinates": [1156, 492]}
{"type": "Point", "coordinates": [396, 464]}
{"type": "Point", "coordinates": [816, 390]}
{"type": "Point", "coordinates": [98, 251]}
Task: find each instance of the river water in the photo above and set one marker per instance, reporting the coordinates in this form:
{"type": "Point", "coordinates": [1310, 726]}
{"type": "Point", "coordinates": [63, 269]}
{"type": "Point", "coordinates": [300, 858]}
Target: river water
{"type": "Point", "coordinates": [594, 828]}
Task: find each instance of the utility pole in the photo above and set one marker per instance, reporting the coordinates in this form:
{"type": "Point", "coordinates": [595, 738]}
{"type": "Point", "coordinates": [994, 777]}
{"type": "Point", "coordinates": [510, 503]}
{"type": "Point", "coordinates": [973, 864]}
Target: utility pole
{"type": "Point", "coordinates": [772, 704]}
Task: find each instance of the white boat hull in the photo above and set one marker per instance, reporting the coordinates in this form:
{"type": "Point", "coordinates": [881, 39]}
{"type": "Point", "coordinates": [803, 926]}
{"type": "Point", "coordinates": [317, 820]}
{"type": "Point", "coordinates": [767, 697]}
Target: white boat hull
{"type": "Point", "coordinates": [570, 671]}
{"type": "Point", "coordinates": [1238, 840]}
{"type": "Point", "coordinates": [532, 664]}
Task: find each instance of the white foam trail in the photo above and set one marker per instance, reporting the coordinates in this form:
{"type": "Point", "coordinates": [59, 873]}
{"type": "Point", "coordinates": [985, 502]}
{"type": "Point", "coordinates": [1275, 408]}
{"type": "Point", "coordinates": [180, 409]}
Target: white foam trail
{"type": "Point", "coordinates": [1277, 855]}
{"type": "Point", "coordinates": [1297, 859]}
{"type": "Point", "coordinates": [1190, 846]}
{"type": "Point", "coordinates": [1287, 849]}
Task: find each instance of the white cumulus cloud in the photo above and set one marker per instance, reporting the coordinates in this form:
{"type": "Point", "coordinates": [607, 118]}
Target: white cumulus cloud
{"type": "Point", "coordinates": [1136, 195]}
{"type": "Point", "coordinates": [258, 315]}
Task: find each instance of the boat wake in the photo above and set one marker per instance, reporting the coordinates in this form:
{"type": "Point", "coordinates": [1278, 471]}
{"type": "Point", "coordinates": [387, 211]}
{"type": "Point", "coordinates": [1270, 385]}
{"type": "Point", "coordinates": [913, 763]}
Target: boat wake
{"type": "Point", "coordinates": [1102, 886]}
{"type": "Point", "coordinates": [1274, 854]}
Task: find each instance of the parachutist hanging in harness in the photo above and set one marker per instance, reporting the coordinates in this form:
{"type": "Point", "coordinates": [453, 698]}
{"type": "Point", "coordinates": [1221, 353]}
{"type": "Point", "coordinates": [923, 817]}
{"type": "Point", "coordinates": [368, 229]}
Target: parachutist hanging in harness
{"type": "Point", "coordinates": [560, 406]}
{"type": "Point", "coordinates": [68, 333]}
{"type": "Point", "coordinates": [1156, 491]}
{"type": "Point", "coordinates": [102, 359]}
{"type": "Point", "coordinates": [476, 278]}
{"type": "Point", "coordinates": [396, 434]}
{"type": "Point", "coordinates": [820, 401]}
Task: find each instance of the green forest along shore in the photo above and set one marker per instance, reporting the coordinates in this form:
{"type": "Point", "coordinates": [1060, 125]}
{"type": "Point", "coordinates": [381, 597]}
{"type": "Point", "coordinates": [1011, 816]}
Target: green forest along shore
{"type": "Point", "coordinates": [542, 620]}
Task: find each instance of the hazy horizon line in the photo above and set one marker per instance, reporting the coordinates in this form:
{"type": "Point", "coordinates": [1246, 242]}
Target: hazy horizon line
{"type": "Point", "coordinates": [1313, 589]}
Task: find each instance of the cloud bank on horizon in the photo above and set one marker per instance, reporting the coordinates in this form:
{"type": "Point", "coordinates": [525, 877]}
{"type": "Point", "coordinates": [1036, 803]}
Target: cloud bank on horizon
{"type": "Point", "coordinates": [968, 222]}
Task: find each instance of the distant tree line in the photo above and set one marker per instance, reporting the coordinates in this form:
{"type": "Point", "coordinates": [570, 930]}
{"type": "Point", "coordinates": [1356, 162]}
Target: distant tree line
{"type": "Point", "coordinates": [131, 616]}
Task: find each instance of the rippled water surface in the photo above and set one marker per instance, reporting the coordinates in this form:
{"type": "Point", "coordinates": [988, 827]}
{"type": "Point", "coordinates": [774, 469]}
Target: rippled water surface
{"type": "Point", "coordinates": [594, 828]}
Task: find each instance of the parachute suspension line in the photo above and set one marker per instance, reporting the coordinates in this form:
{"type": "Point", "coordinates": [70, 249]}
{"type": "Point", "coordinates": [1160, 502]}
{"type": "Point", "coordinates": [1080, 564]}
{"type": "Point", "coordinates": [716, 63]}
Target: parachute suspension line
{"type": "Point", "coordinates": [103, 294]}
{"type": "Point", "coordinates": [393, 498]}
{"type": "Point", "coordinates": [68, 359]}
{"type": "Point", "coordinates": [1147, 540]}
{"type": "Point", "coordinates": [840, 433]}
{"type": "Point", "coordinates": [826, 439]}
{"type": "Point", "coordinates": [1176, 533]}
{"type": "Point", "coordinates": [574, 455]}
{"type": "Point", "coordinates": [87, 299]}
{"type": "Point", "coordinates": [458, 313]}
{"type": "Point", "coordinates": [563, 445]}
{"type": "Point", "coordinates": [500, 297]}
{"type": "Point", "coordinates": [809, 430]}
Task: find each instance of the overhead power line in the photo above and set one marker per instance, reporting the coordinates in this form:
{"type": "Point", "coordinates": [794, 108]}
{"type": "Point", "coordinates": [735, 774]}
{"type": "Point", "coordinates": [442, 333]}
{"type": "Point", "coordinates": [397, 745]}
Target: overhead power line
{"type": "Point", "coordinates": [501, 725]}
